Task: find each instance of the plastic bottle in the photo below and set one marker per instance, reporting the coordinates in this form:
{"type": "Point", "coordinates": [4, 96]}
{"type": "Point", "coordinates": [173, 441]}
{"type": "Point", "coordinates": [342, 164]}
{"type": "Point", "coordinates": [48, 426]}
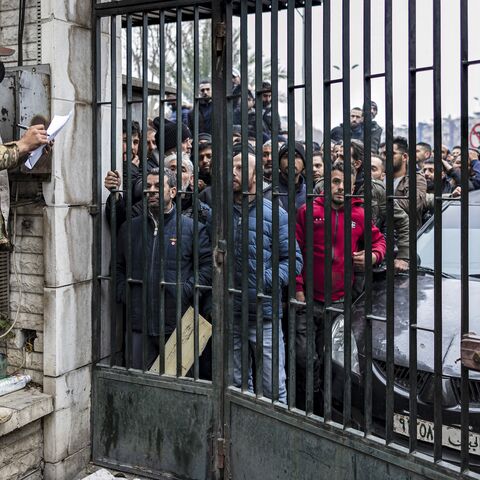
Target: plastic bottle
{"type": "Point", "coordinates": [13, 383]}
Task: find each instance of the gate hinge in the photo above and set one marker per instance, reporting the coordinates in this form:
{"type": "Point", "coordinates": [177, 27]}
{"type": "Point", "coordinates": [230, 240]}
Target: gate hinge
{"type": "Point", "coordinates": [93, 209]}
{"type": "Point", "coordinates": [220, 34]}
{"type": "Point", "coordinates": [220, 453]}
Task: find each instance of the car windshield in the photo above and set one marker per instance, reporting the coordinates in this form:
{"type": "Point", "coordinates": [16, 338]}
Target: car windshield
{"type": "Point", "coordinates": [451, 241]}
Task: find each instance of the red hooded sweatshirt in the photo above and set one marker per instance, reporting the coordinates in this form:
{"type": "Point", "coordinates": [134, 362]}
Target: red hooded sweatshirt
{"type": "Point", "coordinates": [338, 244]}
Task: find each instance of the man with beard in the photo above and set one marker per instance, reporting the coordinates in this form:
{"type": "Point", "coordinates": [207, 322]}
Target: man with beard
{"type": "Point", "coordinates": [205, 108]}
{"type": "Point", "coordinates": [186, 197]}
{"type": "Point", "coordinates": [377, 130]}
{"type": "Point", "coordinates": [149, 247]}
{"type": "Point", "coordinates": [204, 165]}
{"type": "Point", "coordinates": [451, 179]}
{"type": "Point", "coordinates": [317, 164]}
{"type": "Point", "coordinates": [253, 271]}
{"type": "Point", "coordinates": [267, 161]}
{"type": "Point", "coordinates": [299, 181]}
{"type": "Point", "coordinates": [356, 127]}
{"type": "Point", "coordinates": [423, 153]}
{"type": "Point", "coordinates": [400, 180]}
{"type": "Point", "coordinates": [337, 252]}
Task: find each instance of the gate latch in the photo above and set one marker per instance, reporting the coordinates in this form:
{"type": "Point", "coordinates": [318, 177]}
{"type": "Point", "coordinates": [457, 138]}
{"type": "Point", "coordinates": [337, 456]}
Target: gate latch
{"type": "Point", "coordinates": [470, 351]}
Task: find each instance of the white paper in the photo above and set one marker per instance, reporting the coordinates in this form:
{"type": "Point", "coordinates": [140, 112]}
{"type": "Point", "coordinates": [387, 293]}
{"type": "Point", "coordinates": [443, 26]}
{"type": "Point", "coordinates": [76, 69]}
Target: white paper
{"type": "Point", "coordinates": [56, 125]}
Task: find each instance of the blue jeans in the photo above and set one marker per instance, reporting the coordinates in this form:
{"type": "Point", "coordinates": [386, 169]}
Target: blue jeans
{"type": "Point", "coordinates": [267, 358]}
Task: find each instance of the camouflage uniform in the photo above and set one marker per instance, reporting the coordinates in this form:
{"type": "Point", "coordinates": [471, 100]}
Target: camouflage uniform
{"type": "Point", "coordinates": [9, 158]}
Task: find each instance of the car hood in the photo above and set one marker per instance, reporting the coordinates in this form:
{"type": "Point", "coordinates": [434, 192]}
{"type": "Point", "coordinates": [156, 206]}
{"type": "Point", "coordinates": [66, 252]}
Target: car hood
{"type": "Point", "coordinates": [451, 335]}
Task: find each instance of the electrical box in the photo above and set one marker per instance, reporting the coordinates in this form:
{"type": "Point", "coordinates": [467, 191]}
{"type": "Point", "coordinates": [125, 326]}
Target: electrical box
{"type": "Point", "coordinates": [24, 95]}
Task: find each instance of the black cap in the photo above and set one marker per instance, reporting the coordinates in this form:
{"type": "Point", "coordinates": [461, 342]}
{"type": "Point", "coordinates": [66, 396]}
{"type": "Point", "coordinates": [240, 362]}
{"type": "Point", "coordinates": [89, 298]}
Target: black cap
{"type": "Point", "coordinates": [170, 134]}
{"type": "Point", "coordinates": [237, 149]}
{"type": "Point", "coordinates": [299, 151]}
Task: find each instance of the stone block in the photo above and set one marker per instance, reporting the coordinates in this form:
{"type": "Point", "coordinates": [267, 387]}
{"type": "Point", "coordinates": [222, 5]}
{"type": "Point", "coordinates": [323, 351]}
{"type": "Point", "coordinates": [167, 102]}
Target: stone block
{"type": "Point", "coordinates": [15, 357]}
{"type": "Point", "coordinates": [38, 343]}
{"type": "Point", "coordinates": [70, 11]}
{"type": "Point", "coordinates": [26, 406]}
{"type": "Point", "coordinates": [30, 210]}
{"type": "Point", "coordinates": [27, 263]}
{"type": "Point", "coordinates": [34, 361]}
{"type": "Point", "coordinates": [71, 182]}
{"type": "Point", "coordinates": [68, 245]}
{"type": "Point", "coordinates": [31, 321]}
{"type": "Point", "coordinates": [68, 467]}
{"type": "Point", "coordinates": [29, 302]}
{"type": "Point", "coordinates": [67, 328]}
{"type": "Point", "coordinates": [71, 77]}
{"type": "Point", "coordinates": [67, 430]}
{"type": "Point", "coordinates": [36, 475]}
{"type": "Point", "coordinates": [71, 389]}
{"type": "Point", "coordinates": [29, 225]}
{"type": "Point", "coordinates": [25, 244]}
{"type": "Point", "coordinates": [21, 451]}
{"type": "Point", "coordinates": [27, 283]}
{"type": "Point", "coordinates": [15, 340]}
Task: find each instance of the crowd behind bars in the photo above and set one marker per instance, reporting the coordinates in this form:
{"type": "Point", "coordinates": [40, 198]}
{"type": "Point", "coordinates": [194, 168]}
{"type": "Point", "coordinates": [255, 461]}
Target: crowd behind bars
{"type": "Point", "coordinates": [451, 160]}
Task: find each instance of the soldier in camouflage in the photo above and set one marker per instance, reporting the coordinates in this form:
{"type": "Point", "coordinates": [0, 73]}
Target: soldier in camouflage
{"type": "Point", "coordinates": [11, 154]}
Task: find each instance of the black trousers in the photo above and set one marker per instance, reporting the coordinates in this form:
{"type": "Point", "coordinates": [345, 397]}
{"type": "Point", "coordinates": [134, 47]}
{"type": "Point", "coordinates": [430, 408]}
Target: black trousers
{"type": "Point", "coordinates": [301, 346]}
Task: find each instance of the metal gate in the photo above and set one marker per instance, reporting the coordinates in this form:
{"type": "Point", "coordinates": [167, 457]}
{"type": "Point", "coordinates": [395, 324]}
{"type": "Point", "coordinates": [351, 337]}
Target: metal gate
{"type": "Point", "coordinates": [317, 364]}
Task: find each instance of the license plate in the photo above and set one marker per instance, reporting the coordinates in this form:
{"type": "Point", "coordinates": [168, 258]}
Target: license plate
{"type": "Point", "coordinates": [451, 436]}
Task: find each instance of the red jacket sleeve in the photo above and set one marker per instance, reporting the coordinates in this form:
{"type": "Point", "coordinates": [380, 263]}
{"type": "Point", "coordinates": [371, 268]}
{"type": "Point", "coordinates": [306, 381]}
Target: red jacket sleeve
{"type": "Point", "coordinates": [300, 234]}
{"type": "Point", "coordinates": [379, 246]}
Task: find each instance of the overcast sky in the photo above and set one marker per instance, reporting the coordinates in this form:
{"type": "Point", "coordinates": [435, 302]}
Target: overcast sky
{"type": "Point", "coordinates": [450, 57]}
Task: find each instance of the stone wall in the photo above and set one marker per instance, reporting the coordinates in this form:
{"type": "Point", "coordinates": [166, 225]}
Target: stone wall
{"type": "Point", "coordinates": [32, 39]}
{"type": "Point", "coordinates": [24, 347]}
{"type": "Point", "coordinates": [68, 240]}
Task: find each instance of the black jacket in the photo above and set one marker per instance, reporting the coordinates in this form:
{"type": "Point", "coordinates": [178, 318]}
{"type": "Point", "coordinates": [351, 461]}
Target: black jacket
{"type": "Point", "coordinates": [152, 270]}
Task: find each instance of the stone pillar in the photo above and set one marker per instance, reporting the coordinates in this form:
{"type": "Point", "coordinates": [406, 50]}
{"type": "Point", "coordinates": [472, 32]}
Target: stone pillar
{"type": "Point", "coordinates": [66, 47]}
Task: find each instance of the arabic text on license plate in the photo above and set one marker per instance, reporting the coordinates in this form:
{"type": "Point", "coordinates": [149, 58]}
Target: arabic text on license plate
{"type": "Point", "coordinates": [451, 436]}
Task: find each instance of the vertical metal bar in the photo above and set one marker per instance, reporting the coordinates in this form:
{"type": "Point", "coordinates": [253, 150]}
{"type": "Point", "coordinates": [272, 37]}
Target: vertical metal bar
{"type": "Point", "coordinates": [276, 300]}
{"type": "Point", "coordinates": [464, 228]}
{"type": "Point", "coordinates": [347, 394]}
{"type": "Point", "coordinates": [161, 161]}
{"type": "Point", "coordinates": [367, 169]}
{"type": "Point", "coordinates": [178, 257]}
{"type": "Point", "coordinates": [97, 195]}
{"type": "Point", "coordinates": [307, 59]}
{"type": "Point", "coordinates": [291, 202]}
{"type": "Point", "coordinates": [225, 215]}
{"type": "Point", "coordinates": [260, 271]}
{"type": "Point", "coordinates": [327, 171]}
{"type": "Point", "coordinates": [196, 291]}
{"type": "Point", "coordinates": [222, 193]}
{"type": "Point", "coordinates": [113, 167]}
{"type": "Point", "coordinates": [390, 225]}
{"type": "Point", "coordinates": [437, 140]}
{"type": "Point", "coordinates": [245, 197]}
{"type": "Point", "coordinates": [146, 281]}
{"type": "Point", "coordinates": [128, 196]}
{"type": "Point", "coordinates": [412, 195]}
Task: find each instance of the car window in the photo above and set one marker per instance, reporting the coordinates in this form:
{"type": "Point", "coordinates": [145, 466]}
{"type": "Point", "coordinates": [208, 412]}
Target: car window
{"type": "Point", "coordinates": [451, 241]}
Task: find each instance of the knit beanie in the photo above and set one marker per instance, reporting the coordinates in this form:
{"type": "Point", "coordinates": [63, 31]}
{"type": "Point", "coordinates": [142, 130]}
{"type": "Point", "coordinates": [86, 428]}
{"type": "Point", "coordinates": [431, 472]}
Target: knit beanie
{"type": "Point", "coordinates": [170, 134]}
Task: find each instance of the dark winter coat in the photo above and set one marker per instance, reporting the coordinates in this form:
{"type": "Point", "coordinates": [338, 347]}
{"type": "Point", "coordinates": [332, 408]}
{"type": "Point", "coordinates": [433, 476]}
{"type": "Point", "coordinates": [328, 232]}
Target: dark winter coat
{"type": "Point", "coordinates": [152, 270]}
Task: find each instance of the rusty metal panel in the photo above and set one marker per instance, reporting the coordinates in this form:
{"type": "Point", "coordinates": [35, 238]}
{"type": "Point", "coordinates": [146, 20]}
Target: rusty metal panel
{"type": "Point", "coordinates": [151, 426]}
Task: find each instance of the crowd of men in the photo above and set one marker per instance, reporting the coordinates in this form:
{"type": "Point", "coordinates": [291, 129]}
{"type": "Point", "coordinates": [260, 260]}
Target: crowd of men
{"type": "Point", "coordinates": [196, 247]}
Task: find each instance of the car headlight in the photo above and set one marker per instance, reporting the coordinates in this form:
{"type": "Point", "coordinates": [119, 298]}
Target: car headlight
{"type": "Point", "coordinates": [338, 345]}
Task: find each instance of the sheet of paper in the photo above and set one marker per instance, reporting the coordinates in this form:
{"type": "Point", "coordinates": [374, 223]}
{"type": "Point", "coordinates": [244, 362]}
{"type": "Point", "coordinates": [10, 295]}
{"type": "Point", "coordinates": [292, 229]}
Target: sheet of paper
{"type": "Point", "coordinates": [56, 125]}
{"type": "Point", "coordinates": [204, 333]}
